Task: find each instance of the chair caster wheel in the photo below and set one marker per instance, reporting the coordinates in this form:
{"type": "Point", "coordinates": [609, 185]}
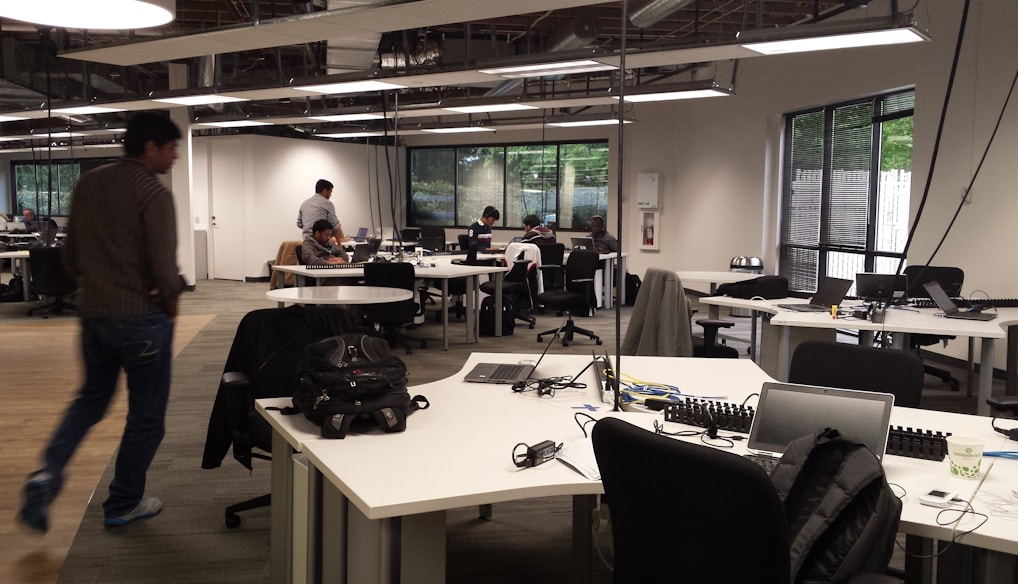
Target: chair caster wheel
{"type": "Point", "coordinates": [531, 326]}
{"type": "Point", "coordinates": [598, 341]}
{"type": "Point", "coordinates": [539, 337]}
{"type": "Point", "coordinates": [565, 343]}
{"type": "Point", "coordinates": [232, 520]}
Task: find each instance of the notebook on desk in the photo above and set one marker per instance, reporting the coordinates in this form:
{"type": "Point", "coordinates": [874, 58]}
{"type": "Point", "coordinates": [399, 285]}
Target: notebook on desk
{"type": "Point", "coordinates": [787, 411]}
{"type": "Point", "coordinates": [506, 372]}
{"type": "Point", "coordinates": [948, 307]}
{"type": "Point", "coordinates": [830, 293]}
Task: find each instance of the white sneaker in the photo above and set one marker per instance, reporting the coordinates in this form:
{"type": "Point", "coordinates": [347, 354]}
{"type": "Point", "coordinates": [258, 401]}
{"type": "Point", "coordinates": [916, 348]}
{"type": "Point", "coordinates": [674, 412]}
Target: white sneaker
{"type": "Point", "coordinates": [146, 508]}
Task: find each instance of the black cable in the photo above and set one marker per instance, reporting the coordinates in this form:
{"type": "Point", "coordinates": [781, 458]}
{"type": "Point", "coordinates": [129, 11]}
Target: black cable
{"type": "Point", "coordinates": [583, 425]}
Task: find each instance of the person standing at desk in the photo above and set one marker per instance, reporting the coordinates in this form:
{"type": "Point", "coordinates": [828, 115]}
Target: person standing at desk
{"type": "Point", "coordinates": [319, 206]}
{"type": "Point", "coordinates": [129, 286]}
{"type": "Point", "coordinates": [479, 231]}
{"type": "Point", "coordinates": [604, 242]}
{"type": "Point", "coordinates": [318, 248]}
{"type": "Point", "coordinates": [534, 232]}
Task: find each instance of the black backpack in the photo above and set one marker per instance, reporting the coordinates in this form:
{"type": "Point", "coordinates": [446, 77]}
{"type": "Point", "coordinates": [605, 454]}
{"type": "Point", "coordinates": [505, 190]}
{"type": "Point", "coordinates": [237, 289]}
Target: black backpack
{"type": "Point", "coordinates": [353, 377]}
{"type": "Point", "coordinates": [769, 287]}
{"type": "Point", "coordinates": [486, 316]}
{"type": "Point", "coordinates": [633, 283]}
{"type": "Point", "coordinates": [842, 515]}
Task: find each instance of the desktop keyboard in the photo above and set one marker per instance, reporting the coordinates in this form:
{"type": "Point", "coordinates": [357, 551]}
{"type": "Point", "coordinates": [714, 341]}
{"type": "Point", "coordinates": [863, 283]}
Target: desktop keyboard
{"type": "Point", "coordinates": [507, 371]}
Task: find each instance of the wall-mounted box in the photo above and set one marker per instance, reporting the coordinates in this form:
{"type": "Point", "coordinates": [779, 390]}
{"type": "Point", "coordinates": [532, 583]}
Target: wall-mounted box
{"type": "Point", "coordinates": [649, 238]}
{"type": "Point", "coordinates": [648, 190]}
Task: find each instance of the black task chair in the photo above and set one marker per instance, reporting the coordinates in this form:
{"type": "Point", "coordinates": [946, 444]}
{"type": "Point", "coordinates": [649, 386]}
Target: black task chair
{"type": "Point", "coordinates": [848, 366]}
{"type": "Point", "coordinates": [951, 280]}
{"type": "Point", "coordinates": [718, 502]}
{"type": "Point", "coordinates": [576, 293]}
{"type": "Point", "coordinates": [50, 279]}
{"type": "Point", "coordinates": [299, 251]}
{"type": "Point", "coordinates": [708, 345]}
{"type": "Point", "coordinates": [393, 316]}
{"type": "Point", "coordinates": [516, 287]}
{"type": "Point", "coordinates": [731, 501]}
{"type": "Point", "coordinates": [267, 347]}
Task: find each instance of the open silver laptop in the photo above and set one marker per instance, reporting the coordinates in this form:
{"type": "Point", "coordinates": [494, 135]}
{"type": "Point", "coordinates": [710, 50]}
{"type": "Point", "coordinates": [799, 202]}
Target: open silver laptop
{"type": "Point", "coordinates": [506, 372]}
{"type": "Point", "coordinates": [948, 307]}
{"type": "Point", "coordinates": [582, 243]}
{"type": "Point", "coordinates": [830, 293]}
{"type": "Point", "coordinates": [787, 411]}
{"type": "Point", "coordinates": [362, 235]}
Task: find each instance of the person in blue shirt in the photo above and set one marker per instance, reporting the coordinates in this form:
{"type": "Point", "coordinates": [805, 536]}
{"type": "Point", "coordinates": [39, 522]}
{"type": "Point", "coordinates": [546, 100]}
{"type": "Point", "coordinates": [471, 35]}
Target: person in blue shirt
{"type": "Point", "coordinates": [479, 231]}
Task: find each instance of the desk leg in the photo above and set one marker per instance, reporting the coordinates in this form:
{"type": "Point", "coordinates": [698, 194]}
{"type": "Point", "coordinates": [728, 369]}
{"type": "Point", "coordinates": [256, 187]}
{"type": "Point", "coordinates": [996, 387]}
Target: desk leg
{"type": "Point", "coordinates": [607, 283]}
{"type": "Point", "coordinates": [985, 377]}
{"type": "Point", "coordinates": [445, 314]}
{"type": "Point", "coordinates": [713, 310]}
{"type": "Point", "coordinates": [408, 549]}
{"type": "Point", "coordinates": [784, 352]}
{"type": "Point", "coordinates": [918, 560]}
{"type": "Point", "coordinates": [281, 514]}
{"type": "Point", "coordinates": [583, 544]}
{"type": "Point", "coordinates": [1011, 385]}
{"type": "Point", "coordinates": [26, 279]}
{"type": "Point", "coordinates": [964, 564]}
{"type": "Point", "coordinates": [499, 277]}
{"type": "Point", "coordinates": [472, 291]}
{"type": "Point", "coordinates": [754, 315]}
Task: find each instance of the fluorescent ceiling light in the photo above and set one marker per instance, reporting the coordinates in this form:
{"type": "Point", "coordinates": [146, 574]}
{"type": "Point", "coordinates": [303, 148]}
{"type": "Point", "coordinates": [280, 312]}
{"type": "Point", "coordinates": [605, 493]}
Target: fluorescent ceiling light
{"type": "Point", "coordinates": [350, 135]}
{"type": "Point", "coordinates": [235, 124]}
{"type": "Point", "coordinates": [495, 107]}
{"type": "Point", "coordinates": [543, 69]}
{"type": "Point", "coordinates": [582, 123]}
{"type": "Point", "coordinates": [11, 118]}
{"type": "Point", "coordinates": [460, 130]}
{"type": "Point", "coordinates": [674, 95]}
{"type": "Point", "coordinates": [846, 34]}
{"type": "Point", "coordinates": [43, 136]}
{"type": "Point", "coordinates": [206, 99]}
{"type": "Point", "coordinates": [88, 109]}
{"type": "Point", "coordinates": [105, 15]}
{"type": "Point", "coordinates": [350, 87]}
{"type": "Point", "coordinates": [347, 117]}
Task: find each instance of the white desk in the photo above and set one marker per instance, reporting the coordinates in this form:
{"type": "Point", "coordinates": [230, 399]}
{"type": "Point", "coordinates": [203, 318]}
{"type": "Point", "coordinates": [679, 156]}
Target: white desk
{"type": "Point", "coordinates": [712, 279]}
{"type": "Point", "coordinates": [908, 321]}
{"type": "Point", "coordinates": [343, 295]}
{"type": "Point", "coordinates": [442, 271]}
{"type": "Point", "coordinates": [21, 257]}
{"type": "Point", "coordinates": [395, 512]}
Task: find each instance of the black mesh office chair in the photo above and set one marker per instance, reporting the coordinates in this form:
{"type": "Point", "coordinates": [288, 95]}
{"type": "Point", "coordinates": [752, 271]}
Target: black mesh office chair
{"type": "Point", "coordinates": [577, 293]}
{"type": "Point", "coordinates": [951, 280]}
{"type": "Point", "coordinates": [50, 279]}
{"type": "Point", "coordinates": [393, 316]}
{"type": "Point", "coordinates": [266, 348]}
{"type": "Point", "coordinates": [516, 287]}
{"type": "Point", "coordinates": [854, 367]}
{"type": "Point", "coordinates": [715, 498]}
{"type": "Point", "coordinates": [552, 261]}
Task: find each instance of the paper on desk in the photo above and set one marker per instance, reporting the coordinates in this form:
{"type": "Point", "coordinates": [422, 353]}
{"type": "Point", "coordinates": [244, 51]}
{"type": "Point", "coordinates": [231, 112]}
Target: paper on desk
{"type": "Point", "coordinates": [579, 456]}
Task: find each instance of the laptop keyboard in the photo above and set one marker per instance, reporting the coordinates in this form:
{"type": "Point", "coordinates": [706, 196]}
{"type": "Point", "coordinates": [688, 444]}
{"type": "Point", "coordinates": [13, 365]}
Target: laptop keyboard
{"type": "Point", "coordinates": [507, 371]}
{"type": "Point", "coordinates": [768, 463]}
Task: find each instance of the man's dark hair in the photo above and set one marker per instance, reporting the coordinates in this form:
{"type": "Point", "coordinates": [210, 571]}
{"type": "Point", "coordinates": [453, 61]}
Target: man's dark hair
{"type": "Point", "coordinates": [321, 225]}
{"type": "Point", "coordinates": [490, 211]}
{"type": "Point", "coordinates": [531, 221]}
{"type": "Point", "coordinates": [322, 185]}
{"type": "Point", "coordinates": [144, 127]}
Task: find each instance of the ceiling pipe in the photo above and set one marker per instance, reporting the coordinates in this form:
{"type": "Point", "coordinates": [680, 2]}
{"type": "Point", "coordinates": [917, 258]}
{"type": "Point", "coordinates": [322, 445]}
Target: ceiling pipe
{"type": "Point", "coordinates": [645, 13]}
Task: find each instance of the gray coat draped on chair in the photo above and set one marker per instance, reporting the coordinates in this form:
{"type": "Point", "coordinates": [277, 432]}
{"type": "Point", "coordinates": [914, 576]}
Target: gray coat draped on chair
{"type": "Point", "coordinates": [659, 325]}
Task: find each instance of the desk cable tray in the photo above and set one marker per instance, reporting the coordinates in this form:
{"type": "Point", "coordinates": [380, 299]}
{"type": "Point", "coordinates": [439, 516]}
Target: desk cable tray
{"type": "Point", "coordinates": [969, 302]}
{"type": "Point", "coordinates": [727, 416]}
{"type": "Point", "coordinates": [333, 266]}
{"type": "Point", "coordinates": [918, 443]}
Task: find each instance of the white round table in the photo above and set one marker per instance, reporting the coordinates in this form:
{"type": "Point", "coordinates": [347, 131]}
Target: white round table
{"type": "Point", "coordinates": [338, 295]}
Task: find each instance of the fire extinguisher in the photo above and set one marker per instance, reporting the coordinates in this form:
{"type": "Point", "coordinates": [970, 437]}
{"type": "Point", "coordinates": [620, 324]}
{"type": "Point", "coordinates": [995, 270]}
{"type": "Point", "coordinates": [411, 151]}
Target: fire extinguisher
{"type": "Point", "coordinates": [650, 235]}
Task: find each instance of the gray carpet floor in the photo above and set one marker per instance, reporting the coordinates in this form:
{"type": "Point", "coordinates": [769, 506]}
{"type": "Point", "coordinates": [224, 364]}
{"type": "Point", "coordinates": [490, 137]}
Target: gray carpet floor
{"type": "Point", "coordinates": [527, 541]}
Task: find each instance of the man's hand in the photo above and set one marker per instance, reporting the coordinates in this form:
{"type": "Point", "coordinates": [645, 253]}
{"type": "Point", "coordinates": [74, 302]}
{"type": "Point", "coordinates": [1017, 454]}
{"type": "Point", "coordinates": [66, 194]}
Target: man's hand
{"type": "Point", "coordinates": [335, 261]}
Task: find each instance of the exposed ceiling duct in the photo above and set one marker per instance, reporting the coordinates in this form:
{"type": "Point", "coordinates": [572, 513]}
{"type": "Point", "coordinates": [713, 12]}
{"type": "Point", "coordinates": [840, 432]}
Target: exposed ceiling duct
{"type": "Point", "coordinates": [644, 13]}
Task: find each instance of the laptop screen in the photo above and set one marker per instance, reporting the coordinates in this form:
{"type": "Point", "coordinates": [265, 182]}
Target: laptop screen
{"type": "Point", "coordinates": [880, 286]}
{"type": "Point", "coordinates": [586, 243]}
{"type": "Point", "coordinates": [789, 411]}
{"type": "Point", "coordinates": [940, 297]}
{"type": "Point", "coordinates": [361, 233]}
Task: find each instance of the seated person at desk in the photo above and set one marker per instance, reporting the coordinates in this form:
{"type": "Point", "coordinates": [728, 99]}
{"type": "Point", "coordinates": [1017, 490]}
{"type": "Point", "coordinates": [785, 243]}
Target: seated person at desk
{"type": "Point", "coordinates": [320, 248]}
{"type": "Point", "coordinates": [534, 232]}
{"type": "Point", "coordinates": [604, 242]}
{"type": "Point", "coordinates": [33, 224]}
{"type": "Point", "coordinates": [480, 231]}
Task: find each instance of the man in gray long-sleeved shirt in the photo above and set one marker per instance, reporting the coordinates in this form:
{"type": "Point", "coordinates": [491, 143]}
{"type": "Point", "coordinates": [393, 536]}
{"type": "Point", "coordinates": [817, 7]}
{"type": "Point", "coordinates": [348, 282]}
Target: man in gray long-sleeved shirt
{"type": "Point", "coordinates": [129, 285]}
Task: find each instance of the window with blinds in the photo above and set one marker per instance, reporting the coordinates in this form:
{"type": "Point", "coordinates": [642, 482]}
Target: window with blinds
{"type": "Point", "coordinates": [845, 189]}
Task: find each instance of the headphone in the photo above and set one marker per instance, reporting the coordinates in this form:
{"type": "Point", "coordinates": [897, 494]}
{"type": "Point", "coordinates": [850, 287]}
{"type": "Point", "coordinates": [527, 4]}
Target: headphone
{"type": "Point", "coordinates": [1011, 433]}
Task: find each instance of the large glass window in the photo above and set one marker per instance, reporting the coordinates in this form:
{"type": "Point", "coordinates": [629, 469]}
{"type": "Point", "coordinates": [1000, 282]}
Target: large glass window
{"type": "Point", "coordinates": [845, 189]}
{"type": "Point", "coordinates": [564, 184]}
{"type": "Point", "coordinates": [46, 186]}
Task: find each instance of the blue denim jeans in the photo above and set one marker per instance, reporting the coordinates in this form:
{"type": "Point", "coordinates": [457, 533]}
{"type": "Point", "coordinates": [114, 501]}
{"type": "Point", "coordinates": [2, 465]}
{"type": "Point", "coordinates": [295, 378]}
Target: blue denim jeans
{"type": "Point", "coordinates": [141, 346]}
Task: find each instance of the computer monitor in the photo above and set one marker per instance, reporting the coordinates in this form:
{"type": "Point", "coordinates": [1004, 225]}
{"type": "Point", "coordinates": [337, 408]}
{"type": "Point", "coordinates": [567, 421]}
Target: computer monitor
{"type": "Point", "coordinates": [881, 287]}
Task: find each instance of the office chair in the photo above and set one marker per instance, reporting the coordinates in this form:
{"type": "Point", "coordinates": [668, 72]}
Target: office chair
{"type": "Point", "coordinates": [708, 345]}
{"type": "Point", "coordinates": [392, 316]}
{"type": "Point", "coordinates": [266, 349]}
{"type": "Point", "coordinates": [299, 252]}
{"type": "Point", "coordinates": [951, 280]}
{"type": "Point", "coordinates": [516, 287]}
{"type": "Point", "coordinates": [576, 293]}
{"type": "Point", "coordinates": [464, 242]}
{"type": "Point", "coordinates": [848, 366]}
{"type": "Point", "coordinates": [286, 255]}
{"type": "Point", "coordinates": [51, 279]}
{"type": "Point", "coordinates": [552, 259]}
{"type": "Point", "coordinates": [678, 511]}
